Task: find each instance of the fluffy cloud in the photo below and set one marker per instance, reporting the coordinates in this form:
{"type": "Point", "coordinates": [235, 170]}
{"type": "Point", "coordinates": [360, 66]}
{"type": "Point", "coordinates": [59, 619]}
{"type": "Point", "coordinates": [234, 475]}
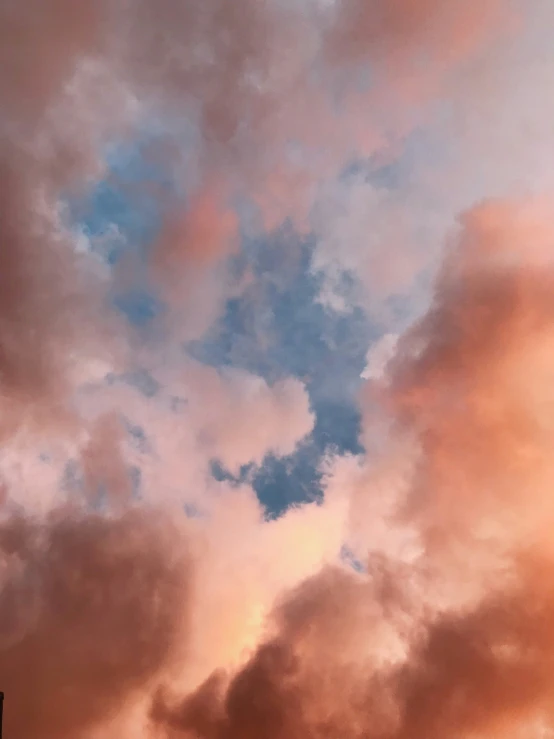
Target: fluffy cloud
{"type": "Point", "coordinates": [140, 596]}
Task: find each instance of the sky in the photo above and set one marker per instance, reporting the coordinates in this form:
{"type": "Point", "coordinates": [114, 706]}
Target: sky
{"type": "Point", "coordinates": [276, 369]}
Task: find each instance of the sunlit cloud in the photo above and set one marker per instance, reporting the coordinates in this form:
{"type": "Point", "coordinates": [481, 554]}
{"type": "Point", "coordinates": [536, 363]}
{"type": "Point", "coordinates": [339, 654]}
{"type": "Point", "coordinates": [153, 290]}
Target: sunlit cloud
{"type": "Point", "coordinates": [276, 340]}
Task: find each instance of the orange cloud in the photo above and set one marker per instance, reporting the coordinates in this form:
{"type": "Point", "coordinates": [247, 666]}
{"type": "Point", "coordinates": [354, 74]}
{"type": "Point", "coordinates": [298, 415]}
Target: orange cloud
{"type": "Point", "coordinates": [90, 612]}
{"type": "Point", "coordinates": [398, 653]}
{"type": "Point", "coordinates": [231, 626]}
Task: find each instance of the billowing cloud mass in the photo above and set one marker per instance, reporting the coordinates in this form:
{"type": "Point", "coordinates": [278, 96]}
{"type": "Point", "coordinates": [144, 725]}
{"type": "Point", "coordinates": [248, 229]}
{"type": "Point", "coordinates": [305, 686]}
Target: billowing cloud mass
{"type": "Point", "coordinates": [455, 639]}
{"type": "Point", "coordinates": [247, 247]}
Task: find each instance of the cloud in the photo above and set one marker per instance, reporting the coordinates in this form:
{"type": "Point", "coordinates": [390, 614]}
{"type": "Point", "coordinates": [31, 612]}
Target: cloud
{"type": "Point", "coordinates": [43, 292]}
{"type": "Point", "coordinates": [378, 357]}
{"type": "Point", "coordinates": [59, 35]}
{"type": "Point", "coordinates": [253, 106]}
{"type": "Point", "coordinates": [471, 377]}
{"type": "Point", "coordinates": [413, 600]}
{"type": "Point", "coordinates": [453, 638]}
{"type": "Point", "coordinates": [91, 611]}
{"type": "Point", "coordinates": [241, 418]}
{"type": "Point", "coordinates": [47, 292]}
{"type": "Point", "coordinates": [94, 72]}
{"type": "Point", "coordinates": [104, 468]}
{"type": "Point", "coordinates": [194, 416]}
{"type": "Point", "coordinates": [401, 28]}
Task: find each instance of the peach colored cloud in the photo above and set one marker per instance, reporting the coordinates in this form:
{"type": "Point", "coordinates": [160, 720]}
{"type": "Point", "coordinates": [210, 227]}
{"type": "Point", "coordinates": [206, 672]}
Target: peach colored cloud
{"type": "Point", "coordinates": [270, 634]}
{"type": "Point", "coordinates": [241, 418]}
{"type": "Point", "coordinates": [144, 621]}
{"type": "Point", "coordinates": [251, 101]}
{"type": "Point", "coordinates": [90, 610]}
{"type": "Point", "coordinates": [398, 652]}
{"type": "Point", "coordinates": [473, 373]}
